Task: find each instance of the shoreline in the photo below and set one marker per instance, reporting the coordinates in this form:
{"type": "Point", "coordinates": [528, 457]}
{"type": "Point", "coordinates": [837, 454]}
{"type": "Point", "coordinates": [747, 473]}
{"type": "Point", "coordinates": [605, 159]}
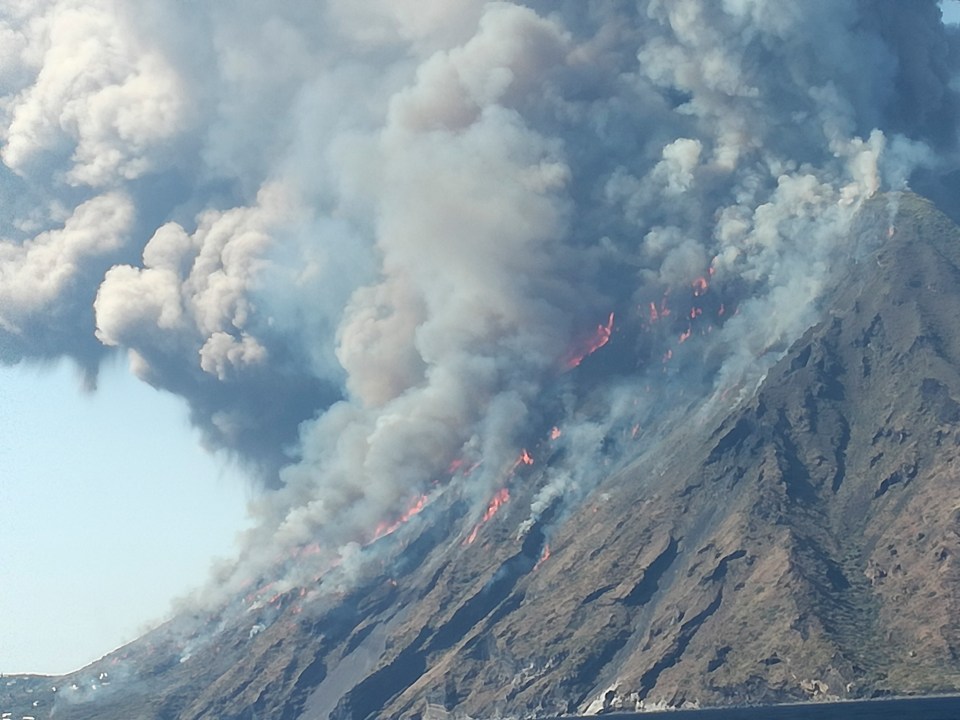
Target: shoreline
{"type": "Point", "coordinates": [796, 710]}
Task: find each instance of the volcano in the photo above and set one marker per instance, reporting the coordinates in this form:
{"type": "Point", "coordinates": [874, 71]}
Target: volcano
{"type": "Point", "coordinates": [797, 543]}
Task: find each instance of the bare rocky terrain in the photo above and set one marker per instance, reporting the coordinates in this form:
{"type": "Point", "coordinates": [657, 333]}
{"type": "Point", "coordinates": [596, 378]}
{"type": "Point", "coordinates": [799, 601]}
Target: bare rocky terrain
{"type": "Point", "coordinates": [802, 546]}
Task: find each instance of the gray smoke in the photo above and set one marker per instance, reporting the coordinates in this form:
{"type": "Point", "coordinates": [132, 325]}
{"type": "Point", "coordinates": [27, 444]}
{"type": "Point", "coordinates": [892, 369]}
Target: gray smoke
{"type": "Point", "coordinates": [368, 239]}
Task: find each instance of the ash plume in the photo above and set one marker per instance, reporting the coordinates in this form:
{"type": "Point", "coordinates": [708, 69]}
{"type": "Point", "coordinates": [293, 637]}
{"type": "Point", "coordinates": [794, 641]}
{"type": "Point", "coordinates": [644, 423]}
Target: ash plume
{"type": "Point", "coordinates": [369, 241]}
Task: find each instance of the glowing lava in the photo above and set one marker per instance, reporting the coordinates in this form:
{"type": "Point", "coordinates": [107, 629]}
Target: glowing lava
{"type": "Point", "coordinates": [600, 338]}
{"type": "Point", "coordinates": [498, 501]}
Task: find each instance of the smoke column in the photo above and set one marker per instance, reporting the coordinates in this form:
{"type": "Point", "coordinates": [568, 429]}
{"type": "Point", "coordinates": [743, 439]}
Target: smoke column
{"type": "Point", "coordinates": [367, 239]}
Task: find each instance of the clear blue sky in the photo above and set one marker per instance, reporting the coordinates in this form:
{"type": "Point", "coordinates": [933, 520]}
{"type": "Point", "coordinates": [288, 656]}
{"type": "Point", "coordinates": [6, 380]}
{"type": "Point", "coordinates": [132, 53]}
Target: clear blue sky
{"type": "Point", "coordinates": [109, 508]}
{"type": "Point", "coordinates": [951, 11]}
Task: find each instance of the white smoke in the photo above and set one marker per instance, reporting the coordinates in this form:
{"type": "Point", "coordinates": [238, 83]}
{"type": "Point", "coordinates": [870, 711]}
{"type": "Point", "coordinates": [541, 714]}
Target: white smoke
{"type": "Point", "coordinates": [362, 239]}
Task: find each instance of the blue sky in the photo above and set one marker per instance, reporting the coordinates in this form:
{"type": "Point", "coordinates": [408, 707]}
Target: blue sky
{"type": "Point", "coordinates": [951, 11]}
{"type": "Point", "coordinates": [110, 508]}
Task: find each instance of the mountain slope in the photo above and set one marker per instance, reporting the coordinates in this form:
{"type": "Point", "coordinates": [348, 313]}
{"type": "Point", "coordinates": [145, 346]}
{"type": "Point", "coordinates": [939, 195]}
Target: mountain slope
{"type": "Point", "coordinates": [800, 546]}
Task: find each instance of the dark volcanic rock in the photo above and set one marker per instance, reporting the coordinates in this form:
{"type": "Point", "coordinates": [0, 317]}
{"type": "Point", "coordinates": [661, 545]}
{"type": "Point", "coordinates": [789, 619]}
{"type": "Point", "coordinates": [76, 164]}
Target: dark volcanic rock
{"type": "Point", "coordinates": [802, 546]}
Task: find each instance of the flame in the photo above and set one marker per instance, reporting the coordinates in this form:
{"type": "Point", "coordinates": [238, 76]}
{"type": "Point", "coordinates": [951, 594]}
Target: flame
{"type": "Point", "coordinates": [525, 459]}
{"type": "Point", "coordinates": [384, 528]}
{"type": "Point", "coordinates": [685, 335]}
{"type": "Point", "coordinates": [700, 285]}
{"type": "Point", "coordinates": [460, 465]}
{"type": "Point", "coordinates": [658, 313]}
{"type": "Point", "coordinates": [544, 556]}
{"type": "Point", "coordinates": [664, 307]}
{"type": "Point", "coordinates": [499, 500]}
{"type": "Point", "coordinates": [555, 433]}
{"type": "Point", "coordinates": [600, 338]}
{"type": "Point", "coordinates": [266, 594]}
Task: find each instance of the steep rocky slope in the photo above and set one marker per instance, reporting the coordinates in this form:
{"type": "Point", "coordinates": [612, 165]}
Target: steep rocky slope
{"type": "Point", "coordinates": [803, 545]}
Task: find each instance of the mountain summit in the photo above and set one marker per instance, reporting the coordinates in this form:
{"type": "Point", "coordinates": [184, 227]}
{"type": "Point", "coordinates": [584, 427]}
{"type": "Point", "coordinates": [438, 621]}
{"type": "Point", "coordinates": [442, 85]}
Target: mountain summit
{"type": "Point", "coordinates": [797, 543]}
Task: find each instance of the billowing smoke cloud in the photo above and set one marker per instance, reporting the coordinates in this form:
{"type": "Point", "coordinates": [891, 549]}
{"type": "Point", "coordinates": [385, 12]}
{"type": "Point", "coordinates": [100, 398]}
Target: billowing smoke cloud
{"type": "Point", "coordinates": [369, 239]}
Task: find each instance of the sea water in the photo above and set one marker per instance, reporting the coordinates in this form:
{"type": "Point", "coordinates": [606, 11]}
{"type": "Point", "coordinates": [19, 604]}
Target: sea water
{"type": "Point", "coordinates": [940, 708]}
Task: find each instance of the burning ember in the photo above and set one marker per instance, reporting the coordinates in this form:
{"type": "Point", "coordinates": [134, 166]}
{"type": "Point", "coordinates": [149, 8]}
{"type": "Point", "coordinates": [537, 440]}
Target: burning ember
{"type": "Point", "coordinates": [600, 338]}
{"type": "Point", "coordinates": [498, 501]}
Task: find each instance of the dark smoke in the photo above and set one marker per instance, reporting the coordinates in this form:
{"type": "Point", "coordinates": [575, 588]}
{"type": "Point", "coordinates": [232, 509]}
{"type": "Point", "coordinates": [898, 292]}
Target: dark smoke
{"type": "Point", "coordinates": [362, 238]}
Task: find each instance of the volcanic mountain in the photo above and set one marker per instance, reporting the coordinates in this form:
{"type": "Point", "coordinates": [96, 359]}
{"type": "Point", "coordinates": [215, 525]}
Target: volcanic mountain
{"type": "Point", "coordinates": [800, 542]}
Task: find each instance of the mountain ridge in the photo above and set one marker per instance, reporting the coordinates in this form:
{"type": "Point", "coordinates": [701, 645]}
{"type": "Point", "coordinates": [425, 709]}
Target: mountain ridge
{"type": "Point", "coordinates": [802, 546]}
